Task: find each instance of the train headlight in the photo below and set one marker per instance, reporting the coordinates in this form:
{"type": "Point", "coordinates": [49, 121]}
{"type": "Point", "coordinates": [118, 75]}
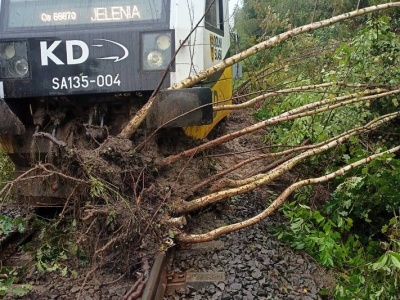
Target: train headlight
{"type": "Point", "coordinates": [155, 59]}
{"type": "Point", "coordinates": [156, 50]}
{"type": "Point", "coordinates": [21, 67]}
{"type": "Point", "coordinates": [14, 59]}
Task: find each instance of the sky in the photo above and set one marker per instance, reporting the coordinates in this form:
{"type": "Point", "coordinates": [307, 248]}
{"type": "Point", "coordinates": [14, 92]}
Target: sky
{"type": "Point", "coordinates": [232, 5]}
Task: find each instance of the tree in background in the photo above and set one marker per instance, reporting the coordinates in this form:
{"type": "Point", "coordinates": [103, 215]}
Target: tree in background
{"type": "Point", "coordinates": [358, 224]}
{"type": "Point", "coordinates": [260, 18]}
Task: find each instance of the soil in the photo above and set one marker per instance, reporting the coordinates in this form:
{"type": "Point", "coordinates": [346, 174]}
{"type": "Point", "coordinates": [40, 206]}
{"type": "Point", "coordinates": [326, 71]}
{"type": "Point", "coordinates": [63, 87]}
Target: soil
{"type": "Point", "coordinates": [152, 188]}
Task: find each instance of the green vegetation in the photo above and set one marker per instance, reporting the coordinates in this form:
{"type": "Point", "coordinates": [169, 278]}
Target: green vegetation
{"type": "Point", "coordinates": [11, 276]}
{"type": "Point", "coordinates": [356, 232]}
{"type": "Point", "coordinates": [6, 168]}
{"type": "Point", "coordinates": [355, 229]}
{"type": "Point", "coordinates": [7, 287]}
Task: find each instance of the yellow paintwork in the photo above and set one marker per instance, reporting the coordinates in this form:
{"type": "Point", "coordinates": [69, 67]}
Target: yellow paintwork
{"type": "Point", "coordinates": [6, 144]}
{"type": "Point", "coordinates": [222, 94]}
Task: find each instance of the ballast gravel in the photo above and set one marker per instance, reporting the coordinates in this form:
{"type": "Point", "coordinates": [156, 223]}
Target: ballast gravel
{"type": "Point", "coordinates": [256, 266]}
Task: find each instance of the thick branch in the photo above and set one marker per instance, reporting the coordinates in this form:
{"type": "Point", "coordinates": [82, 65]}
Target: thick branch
{"type": "Point", "coordinates": [197, 238]}
{"type": "Point", "coordinates": [141, 115]}
{"type": "Point", "coordinates": [278, 39]}
{"type": "Point", "coordinates": [262, 179]}
{"type": "Point", "coordinates": [281, 92]}
{"type": "Point", "coordinates": [287, 116]}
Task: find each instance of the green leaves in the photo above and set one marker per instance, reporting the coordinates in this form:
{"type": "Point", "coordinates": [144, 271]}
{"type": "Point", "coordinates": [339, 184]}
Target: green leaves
{"type": "Point", "coordinates": [10, 285]}
{"type": "Point", "coordinates": [357, 231]}
{"type": "Point", "coordinates": [8, 225]}
{"type": "Point", "coordinates": [97, 187]}
{"type": "Point", "coordinates": [380, 263]}
{"type": "Point", "coordinates": [389, 263]}
{"type": "Point", "coordinates": [395, 258]}
{"type": "Point", "coordinates": [312, 231]}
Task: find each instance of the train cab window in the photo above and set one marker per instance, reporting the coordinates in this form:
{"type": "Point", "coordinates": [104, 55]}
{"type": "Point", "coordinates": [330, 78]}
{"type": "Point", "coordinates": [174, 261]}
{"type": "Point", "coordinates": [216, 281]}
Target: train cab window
{"type": "Point", "coordinates": [215, 16]}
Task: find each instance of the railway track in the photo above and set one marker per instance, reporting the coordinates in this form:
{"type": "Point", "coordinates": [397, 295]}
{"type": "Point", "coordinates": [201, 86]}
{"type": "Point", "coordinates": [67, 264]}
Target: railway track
{"type": "Point", "coordinates": [248, 264]}
{"type": "Point", "coordinates": [165, 281]}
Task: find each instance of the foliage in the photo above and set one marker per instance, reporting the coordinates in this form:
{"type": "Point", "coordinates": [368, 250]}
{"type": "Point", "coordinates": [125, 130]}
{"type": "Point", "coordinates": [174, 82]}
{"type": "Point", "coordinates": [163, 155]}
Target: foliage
{"type": "Point", "coordinates": [259, 18]}
{"type": "Point", "coordinates": [6, 168]}
{"type": "Point", "coordinates": [56, 249]}
{"type": "Point", "coordinates": [373, 54]}
{"type": "Point", "coordinates": [356, 232]}
{"type": "Point", "coordinates": [9, 225]}
{"type": "Point", "coordinates": [372, 195]}
{"type": "Point", "coordinates": [373, 50]}
{"type": "Point", "coordinates": [9, 285]}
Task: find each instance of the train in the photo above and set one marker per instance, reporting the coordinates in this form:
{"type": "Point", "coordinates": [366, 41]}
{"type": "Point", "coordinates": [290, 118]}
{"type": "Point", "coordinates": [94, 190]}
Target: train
{"type": "Point", "coordinates": [79, 70]}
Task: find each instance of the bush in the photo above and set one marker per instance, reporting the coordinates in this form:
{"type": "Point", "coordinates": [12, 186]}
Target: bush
{"type": "Point", "coordinates": [356, 232]}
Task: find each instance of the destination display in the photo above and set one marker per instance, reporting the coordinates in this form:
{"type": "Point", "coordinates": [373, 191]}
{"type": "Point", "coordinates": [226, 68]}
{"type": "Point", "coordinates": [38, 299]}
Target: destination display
{"type": "Point", "coordinates": [34, 13]}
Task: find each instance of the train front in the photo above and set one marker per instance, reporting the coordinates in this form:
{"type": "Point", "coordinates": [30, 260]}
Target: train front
{"type": "Point", "coordinates": [55, 48]}
{"type": "Point", "coordinates": [76, 71]}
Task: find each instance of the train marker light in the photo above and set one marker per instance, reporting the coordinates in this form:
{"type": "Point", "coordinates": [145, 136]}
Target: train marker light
{"type": "Point", "coordinates": [163, 42]}
{"type": "Point", "coordinates": [8, 51]}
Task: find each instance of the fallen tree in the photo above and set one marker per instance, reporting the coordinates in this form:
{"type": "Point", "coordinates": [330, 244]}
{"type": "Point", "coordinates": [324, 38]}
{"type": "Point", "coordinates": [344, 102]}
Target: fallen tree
{"type": "Point", "coordinates": [141, 198]}
{"type": "Point", "coordinates": [135, 122]}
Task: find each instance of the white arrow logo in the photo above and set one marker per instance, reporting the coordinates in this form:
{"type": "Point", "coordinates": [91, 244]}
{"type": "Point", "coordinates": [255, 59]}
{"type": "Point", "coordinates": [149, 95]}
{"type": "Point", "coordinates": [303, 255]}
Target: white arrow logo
{"type": "Point", "coordinates": [115, 58]}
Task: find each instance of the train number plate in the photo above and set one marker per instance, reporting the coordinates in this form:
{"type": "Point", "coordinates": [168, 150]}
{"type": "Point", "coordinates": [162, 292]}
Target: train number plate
{"type": "Point", "coordinates": [85, 82]}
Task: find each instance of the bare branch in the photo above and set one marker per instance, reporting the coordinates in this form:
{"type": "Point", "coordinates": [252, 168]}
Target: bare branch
{"type": "Point", "coordinates": [289, 115]}
{"type": "Point", "coordinates": [197, 238]}
{"type": "Point", "coordinates": [263, 179]}
{"type": "Point", "coordinates": [141, 115]}
{"type": "Point", "coordinates": [284, 91]}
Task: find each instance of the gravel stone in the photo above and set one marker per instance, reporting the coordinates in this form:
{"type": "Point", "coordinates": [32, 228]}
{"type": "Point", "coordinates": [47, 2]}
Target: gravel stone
{"type": "Point", "coordinates": [256, 265]}
{"type": "Point", "coordinates": [221, 286]}
{"type": "Point", "coordinates": [256, 274]}
{"type": "Point", "coordinates": [236, 286]}
{"type": "Point", "coordinates": [226, 297]}
{"type": "Point", "coordinates": [75, 289]}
